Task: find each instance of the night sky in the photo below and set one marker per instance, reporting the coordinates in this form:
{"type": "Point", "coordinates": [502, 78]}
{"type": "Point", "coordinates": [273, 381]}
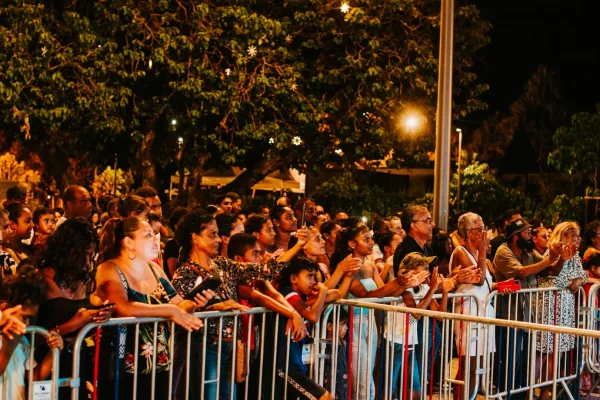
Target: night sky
{"type": "Point", "coordinates": [560, 34]}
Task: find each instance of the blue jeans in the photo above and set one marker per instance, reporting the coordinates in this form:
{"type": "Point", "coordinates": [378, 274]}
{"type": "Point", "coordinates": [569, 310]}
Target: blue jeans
{"type": "Point", "coordinates": [210, 373]}
{"type": "Point", "coordinates": [431, 347]}
{"type": "Point", "coordinates": [398, 358]}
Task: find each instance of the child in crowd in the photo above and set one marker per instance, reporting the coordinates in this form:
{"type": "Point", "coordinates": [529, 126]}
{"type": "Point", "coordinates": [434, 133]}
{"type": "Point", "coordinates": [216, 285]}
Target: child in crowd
{"type": "Point", "coordinates": [298, 284]}
{"type": "Point", "coordinates": [27, 289]}
{"type": "Point", "coordinates": [397, 325]}
{"type": "Point", "coordinates": [43, 226]}
{"type": "Point", "coordinates": [341, 365]}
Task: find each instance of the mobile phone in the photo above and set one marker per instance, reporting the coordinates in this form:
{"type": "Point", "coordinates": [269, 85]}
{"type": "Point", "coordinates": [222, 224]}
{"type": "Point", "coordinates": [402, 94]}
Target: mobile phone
{"type": "Point", "coordinates": [211, 283]}
{"type": "Point", "coordinates": [303, 215]}
{"type": "Point", "coordinates": [102, 306]}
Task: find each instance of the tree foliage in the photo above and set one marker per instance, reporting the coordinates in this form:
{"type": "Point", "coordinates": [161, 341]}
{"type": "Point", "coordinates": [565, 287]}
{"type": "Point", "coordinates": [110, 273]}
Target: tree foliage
{"type": "Point", "coordinates": [577, 147]}
{"type": "Point", "coordinates": [104, 183]}
{"type": "Point", "coordinates": [13, 170]}
{"type": "Point", "coordinates": [481, 193]}
{"type": "Point", "coordinates": [261, 85]}
{"type": "Point", "coordinates": [345, 194]}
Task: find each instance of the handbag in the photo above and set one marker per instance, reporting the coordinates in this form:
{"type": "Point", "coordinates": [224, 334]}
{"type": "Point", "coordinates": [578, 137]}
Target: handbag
{"type": "Point", "coordinates": [241, 366]}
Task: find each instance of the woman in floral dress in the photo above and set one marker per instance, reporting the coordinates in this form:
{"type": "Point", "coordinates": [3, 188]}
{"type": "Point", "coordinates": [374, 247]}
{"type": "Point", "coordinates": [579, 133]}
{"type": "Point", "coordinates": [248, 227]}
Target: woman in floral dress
{"type": "Point", "coordinates": [558, 307]}
{"type": "Point", "coordinates": [198, 236]}
{"type": "Point", "coordinates": [139, 288]}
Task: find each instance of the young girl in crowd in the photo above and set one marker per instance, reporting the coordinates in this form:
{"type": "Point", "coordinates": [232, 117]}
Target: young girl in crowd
{"type": "Point", "coordinates": [8, 264]}
{"type": "Point", "coordinates": [356, 241]}
{"type": "Point", "coordinates": [21, 223]}
{"type": "Point", "coordinates": [139, 288]}
{"type": "Point", "coordinates": [329, 231]}
{"type": "Point", "coordinates": [68, 266]}
{"type": "Point", "coordinates": [397, 324]}
{"type": "Point", "coordinates": [43, 222]}
{"type": "Point", "coordinates": [285, 224]}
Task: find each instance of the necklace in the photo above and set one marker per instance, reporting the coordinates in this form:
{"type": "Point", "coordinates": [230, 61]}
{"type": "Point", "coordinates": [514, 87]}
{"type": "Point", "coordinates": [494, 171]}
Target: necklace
{"type": "Point", "coordinates": [70, 297]}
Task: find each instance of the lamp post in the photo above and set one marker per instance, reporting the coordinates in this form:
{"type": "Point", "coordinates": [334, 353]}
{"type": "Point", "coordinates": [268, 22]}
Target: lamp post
{"type": "Point", "coordinates": [459, 169]}
{"type": "Point", "coordinates": [441, 193]}
{"type": "Point", "coordinates": [115, 188]}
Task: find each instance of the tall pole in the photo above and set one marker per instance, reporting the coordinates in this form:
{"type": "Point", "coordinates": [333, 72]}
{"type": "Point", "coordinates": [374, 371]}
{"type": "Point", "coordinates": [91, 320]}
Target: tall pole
{"type": "Point", "coordinates": [115, 188]}
{"type": "Point", "coordinates": [441, 193]}
{"type": "Point", "coordinates": [459, 168]}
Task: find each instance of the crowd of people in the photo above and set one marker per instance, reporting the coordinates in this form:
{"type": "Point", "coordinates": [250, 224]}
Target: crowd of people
{"type": "Point", "coordinates": [121, 257]}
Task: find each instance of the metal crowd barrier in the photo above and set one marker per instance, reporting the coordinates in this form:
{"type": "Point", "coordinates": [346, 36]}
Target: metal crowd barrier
{"type": "Point", "coordinates": [369, 360]}
{"type": "Point", "coordinates": [390, 382]}
{"type": "Point", "coordinates": [36, 390]}
{"type": "Point", "coordinates": [591, 347]}
{"type": "Point", "coordinates": [527, 359]}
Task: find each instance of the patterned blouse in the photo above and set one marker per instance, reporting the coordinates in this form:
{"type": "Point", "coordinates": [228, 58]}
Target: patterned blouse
{"type": "Point", "coordinates": [7, 264]}
{"type": "Point", "coordinates": [232, 274]}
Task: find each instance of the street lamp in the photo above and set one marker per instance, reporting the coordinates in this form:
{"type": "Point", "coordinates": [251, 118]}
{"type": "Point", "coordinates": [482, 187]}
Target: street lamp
{"type": "Point", "coordinates": [412, 121]}
{"type": "Point", "coordinates": [459, 168]}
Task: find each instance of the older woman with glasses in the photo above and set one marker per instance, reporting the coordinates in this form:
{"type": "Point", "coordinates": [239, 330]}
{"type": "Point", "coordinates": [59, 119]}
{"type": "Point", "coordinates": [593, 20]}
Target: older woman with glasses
{"type": "Point", "coordinates": [472, 253]}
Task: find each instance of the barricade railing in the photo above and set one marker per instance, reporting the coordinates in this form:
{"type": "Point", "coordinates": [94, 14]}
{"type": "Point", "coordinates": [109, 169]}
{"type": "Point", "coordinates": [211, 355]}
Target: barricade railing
{"type": "Point", "coordinates": [393, 330]}
{"type": "Point", "coordinates": [183, 375]}
{"type": "Point", "coordinates": [528, 360]}
{"type": "Point", "coordinates": [591, 347]}
{"type": "Point", "coordinates": [47, 389]}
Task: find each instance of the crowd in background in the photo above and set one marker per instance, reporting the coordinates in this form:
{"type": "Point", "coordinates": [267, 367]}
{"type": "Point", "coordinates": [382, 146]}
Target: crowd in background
{"type": "Point", "coordinates": [121, 257]}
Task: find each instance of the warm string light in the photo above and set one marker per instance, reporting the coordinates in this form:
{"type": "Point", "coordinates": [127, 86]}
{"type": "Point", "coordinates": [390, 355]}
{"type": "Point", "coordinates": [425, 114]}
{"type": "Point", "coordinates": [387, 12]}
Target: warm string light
{"type": "Point", "coordinates": [345, 7]}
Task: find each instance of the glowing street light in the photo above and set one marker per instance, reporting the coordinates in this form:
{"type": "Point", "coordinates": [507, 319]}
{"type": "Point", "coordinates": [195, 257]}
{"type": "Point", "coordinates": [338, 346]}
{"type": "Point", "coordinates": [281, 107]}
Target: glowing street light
{"type": "Point", "coordinates": [412, 121]}
{"type": "Point", "coordinates": [173, 122]}
{"type": "Point", "coordinates": [345, 7]}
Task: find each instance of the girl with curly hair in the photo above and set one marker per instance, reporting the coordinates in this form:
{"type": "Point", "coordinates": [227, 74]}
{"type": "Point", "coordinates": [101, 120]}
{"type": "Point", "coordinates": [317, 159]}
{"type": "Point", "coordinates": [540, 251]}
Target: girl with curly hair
{"type": "Point", "coordinates": [67, 264]}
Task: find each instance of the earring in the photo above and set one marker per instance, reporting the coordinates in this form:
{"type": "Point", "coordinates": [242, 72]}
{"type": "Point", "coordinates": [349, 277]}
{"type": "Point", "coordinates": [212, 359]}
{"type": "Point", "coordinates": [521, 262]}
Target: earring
{"type": "Point", "coordinates": [129, 254]}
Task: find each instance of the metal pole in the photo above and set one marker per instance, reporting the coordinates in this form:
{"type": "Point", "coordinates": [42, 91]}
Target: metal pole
{"type": "Point", "coordinates": [115, 188]}
{"type": "Point", "coordinates": [444, 117]}
{"type": "Point", "coordinates": [459, 168]}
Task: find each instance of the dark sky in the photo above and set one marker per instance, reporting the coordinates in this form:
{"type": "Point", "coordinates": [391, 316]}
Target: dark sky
{"type": "Point", "coordinates": [560, 34]}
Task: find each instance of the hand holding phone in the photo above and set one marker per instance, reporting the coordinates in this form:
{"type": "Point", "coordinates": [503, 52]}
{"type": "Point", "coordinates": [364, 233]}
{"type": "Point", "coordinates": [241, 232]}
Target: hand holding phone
{"type": "Point", "coordinates": [211, 283]}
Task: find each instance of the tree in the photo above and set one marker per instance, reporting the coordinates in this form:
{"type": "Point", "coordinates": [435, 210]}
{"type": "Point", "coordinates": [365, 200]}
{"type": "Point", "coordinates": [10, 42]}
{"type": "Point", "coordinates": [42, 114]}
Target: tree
{"type": "Point", "coordinates": [260, 85]}
{"type": "Point", "coordinates": [577, 148]}
{"type": "Point", "coordinates": [482, 193]}
{"type": "Point", "coordinates": [105, 182]}
{"type": "Point", "coordinates": [13, 170]}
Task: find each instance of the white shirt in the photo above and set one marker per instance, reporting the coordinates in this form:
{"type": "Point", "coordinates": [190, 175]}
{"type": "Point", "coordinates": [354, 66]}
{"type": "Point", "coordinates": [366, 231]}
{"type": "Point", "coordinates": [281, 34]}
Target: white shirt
{"type": "Point", "coordinates": [12, 382]}
{"type": "Point", "coordinates": [60, 221]}
{"type": "Point", "coordinates": [396, 323]}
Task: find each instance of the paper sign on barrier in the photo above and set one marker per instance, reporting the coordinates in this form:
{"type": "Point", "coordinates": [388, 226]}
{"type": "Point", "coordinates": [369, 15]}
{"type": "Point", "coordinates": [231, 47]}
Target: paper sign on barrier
{"type": "Point", "coordinates": [42, 390]}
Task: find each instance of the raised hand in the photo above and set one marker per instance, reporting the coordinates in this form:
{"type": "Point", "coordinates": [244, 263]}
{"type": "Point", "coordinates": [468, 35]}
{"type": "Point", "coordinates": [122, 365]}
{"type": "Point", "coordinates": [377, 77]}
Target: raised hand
{"type": "Point", "coordinates": [303, 236]}
{"type": "Point", "coordinates": [11, 323]}
{"type": "Point", "coordinates": [350, 265]}
{"type": "Point", "coordinates": [435, 280]}
{"type": "Point", "coordinates": [448, 284]}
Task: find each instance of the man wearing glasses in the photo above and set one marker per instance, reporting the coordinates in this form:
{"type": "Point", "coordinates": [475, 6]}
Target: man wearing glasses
{"type": "Point", "coordinates": [418, 225]}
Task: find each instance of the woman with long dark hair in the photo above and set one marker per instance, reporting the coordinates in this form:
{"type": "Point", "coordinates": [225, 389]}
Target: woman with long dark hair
{"type": "Point", "coordinates": [67, 263]}
{"type": "Point", "coordinates": [139, 288]}
{"type": "Point", "coordinates": [198, 236]}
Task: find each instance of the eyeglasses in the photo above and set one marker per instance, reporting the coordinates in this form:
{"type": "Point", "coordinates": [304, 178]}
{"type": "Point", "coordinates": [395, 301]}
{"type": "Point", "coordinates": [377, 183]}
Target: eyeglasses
{"type": "Point", "coordinates": [428, 221]}
{"type": "Point", "coordinates": [480, 229]}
